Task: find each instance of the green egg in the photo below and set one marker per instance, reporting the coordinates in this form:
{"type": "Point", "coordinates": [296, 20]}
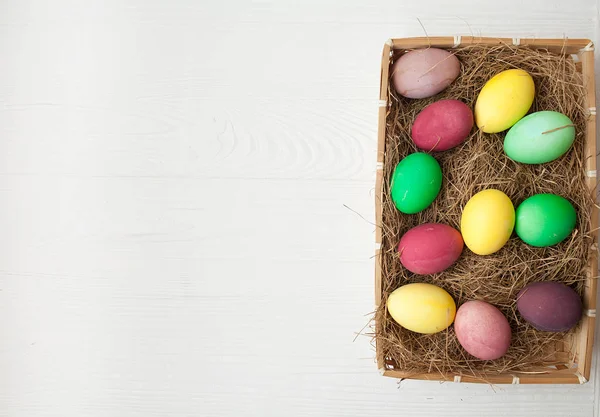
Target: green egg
{"type": "Point", "coordinates": [416, 182]}
{"type": "Point", "coordinates": [539, 137]}
{"type": "Point", "coordinates": [545, 220]}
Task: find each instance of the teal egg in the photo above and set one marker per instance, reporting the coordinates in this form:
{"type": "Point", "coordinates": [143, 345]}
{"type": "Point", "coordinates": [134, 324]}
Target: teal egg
{"type": "Point", "coordinates": [539, 137]}
{"type": "Point", "coordinates": [545, 220]}
{"type": "Point", "coordinates": [416, 182]}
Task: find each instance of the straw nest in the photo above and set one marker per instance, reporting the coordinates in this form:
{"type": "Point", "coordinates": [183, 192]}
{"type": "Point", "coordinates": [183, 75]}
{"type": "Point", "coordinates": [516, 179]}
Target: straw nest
{"type": "Point", "coordinates": [478, 164]}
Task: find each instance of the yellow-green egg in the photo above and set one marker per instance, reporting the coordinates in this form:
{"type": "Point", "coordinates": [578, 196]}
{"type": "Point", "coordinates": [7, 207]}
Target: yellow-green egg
{"type": "Point", "coordinates": [503, 100]}
{"type": "Point", "coordinates": [487, 221]}
{"type": "Point", "coordinates": [422, 308]}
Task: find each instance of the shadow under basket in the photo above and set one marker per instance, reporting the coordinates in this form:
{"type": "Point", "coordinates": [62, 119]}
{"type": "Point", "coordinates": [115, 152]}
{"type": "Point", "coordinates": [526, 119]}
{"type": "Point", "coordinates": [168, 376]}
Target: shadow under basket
{"type": "Point", "coordinates": [567, 358]}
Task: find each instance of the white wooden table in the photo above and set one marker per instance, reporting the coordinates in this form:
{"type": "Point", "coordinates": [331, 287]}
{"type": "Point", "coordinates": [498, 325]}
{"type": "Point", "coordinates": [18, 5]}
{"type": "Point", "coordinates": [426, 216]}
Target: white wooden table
{"type": "Point", "coordinates": [173, 176]}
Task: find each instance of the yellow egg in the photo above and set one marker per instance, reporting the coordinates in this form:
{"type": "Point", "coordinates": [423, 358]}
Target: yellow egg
{"type": "Point", "coordinates": [503, 100]}
{"type": "Point", "coordinates": [487, 221]}
{"type": "Point", "coordinates": [422, 308]}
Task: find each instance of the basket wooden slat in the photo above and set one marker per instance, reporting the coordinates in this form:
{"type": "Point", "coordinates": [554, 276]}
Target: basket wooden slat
{"type": "Point", "coordinates": [569, 46]}
{"type": "Point", "coordinates": [582, 343]}
{"type": "Point", "coordinates": [564, 376]}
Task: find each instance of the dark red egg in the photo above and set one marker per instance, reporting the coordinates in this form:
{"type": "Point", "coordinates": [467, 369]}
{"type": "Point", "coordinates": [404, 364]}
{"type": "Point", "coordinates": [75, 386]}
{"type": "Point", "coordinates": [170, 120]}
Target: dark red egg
{"type": "Point", "coordinates": [430, 248]}
{"type": "Point", "coordinates": [442, 125]}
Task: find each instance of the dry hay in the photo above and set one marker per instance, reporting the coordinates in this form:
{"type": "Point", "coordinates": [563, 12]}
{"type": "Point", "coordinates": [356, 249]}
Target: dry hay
{"type": "Point", "coordinates": [478, 164]}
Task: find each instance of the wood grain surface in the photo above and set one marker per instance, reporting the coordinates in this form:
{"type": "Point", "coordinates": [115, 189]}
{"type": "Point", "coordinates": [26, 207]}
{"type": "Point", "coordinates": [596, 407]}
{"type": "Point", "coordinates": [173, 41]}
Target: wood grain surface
{"type": "Point", "coordinates": [180, 182]}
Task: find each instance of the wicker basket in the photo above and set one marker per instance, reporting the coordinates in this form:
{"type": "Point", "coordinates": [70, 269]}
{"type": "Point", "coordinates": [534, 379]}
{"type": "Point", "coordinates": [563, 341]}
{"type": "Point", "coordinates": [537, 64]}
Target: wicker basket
{"type": "Point", "coordinates": [581, 347]}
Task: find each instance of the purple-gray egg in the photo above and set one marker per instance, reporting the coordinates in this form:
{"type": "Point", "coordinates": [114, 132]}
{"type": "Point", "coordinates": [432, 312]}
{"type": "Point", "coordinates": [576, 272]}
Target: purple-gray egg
{"type": "Point", "coordinates": [550, 306]}
{"type": "Point", "coordinates": [423, 73]}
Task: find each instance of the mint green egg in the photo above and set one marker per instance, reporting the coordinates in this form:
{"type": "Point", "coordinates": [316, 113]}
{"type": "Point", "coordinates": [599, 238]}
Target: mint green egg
{"type": "Point", "coordinates": [416, 182]}
{"type": "Point", "coordinates": [539, 137]}
{"type": "Point", "coordinates": [545, 220]}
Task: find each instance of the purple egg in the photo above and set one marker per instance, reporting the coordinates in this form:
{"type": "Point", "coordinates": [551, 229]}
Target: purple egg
{"type": "Point", "coordinates": [550, 306]}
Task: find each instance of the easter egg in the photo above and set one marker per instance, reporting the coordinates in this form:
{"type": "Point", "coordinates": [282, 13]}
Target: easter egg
{"type": "Point", "coordinates": [539, 137]}
{"type": "Point", "coordinates": [442, 125]}
{"type": "Point", "coordinates": [487, 221]}
{"type": "Point", "coordinates": [482, 330]}
{"type": "Point", "coordinates": [423, 73]}
{"type": "Point", "coordinates": [550, 306]}
{"type": "Point", "coordinates": [416, 182]}
{"type": "Point", "coordinates": [545, 220]}
{"type": "Point", "coordinates": [503, 100]}
{"type": "Point", "coordinates": [422, 308]}
{"type": "Point", "coordinates": [430, 248]}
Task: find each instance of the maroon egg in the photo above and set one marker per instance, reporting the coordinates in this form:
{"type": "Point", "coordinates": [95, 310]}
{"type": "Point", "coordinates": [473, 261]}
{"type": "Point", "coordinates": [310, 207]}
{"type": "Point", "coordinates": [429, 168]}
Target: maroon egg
{"type": "Point", "coordinates": [482, 330]}
{"type": "Point", "coordinates": [550, 306]}
{"type": "Point", "coordinates": [430, 248]}
{"type": "Point", "coordinates": [442, 125]}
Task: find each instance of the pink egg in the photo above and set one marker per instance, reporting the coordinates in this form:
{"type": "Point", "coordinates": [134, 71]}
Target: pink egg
{"type": "Point", "coordinates": [430, 248]}
{"type": "Point", "coordinates": [442, 125]}
{"type": "Point", "coordinates": [482, 330]}
{"type": "Point", "coordinates": [423, 73]}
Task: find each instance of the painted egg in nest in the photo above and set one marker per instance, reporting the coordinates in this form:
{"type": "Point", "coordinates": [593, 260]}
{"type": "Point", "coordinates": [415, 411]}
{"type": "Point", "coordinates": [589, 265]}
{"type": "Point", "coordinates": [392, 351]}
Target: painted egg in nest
{"type": "Point", "coordinates": [545, 220]}
{"type": "Point", "coordinates": [482, 330]}
{"type": "Point", "coordinates": [422, 308]}
{"type": "Point", "coordinates": [422, 73]}
{"type": "Point", "coordinates": [503, 100]}
{"type": "Point", "coordinates": [487, 221]}
{"type": "Point", "coordinates": [430, 248]}
{"type": "Point", "coordinates": [416, 182]}
{"type": "Point", "coordinates": [442, 125]}
{"type": "Point", "coordinates": [540, 137]}
{"type": "Point", "coordinates": [550, 306]}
